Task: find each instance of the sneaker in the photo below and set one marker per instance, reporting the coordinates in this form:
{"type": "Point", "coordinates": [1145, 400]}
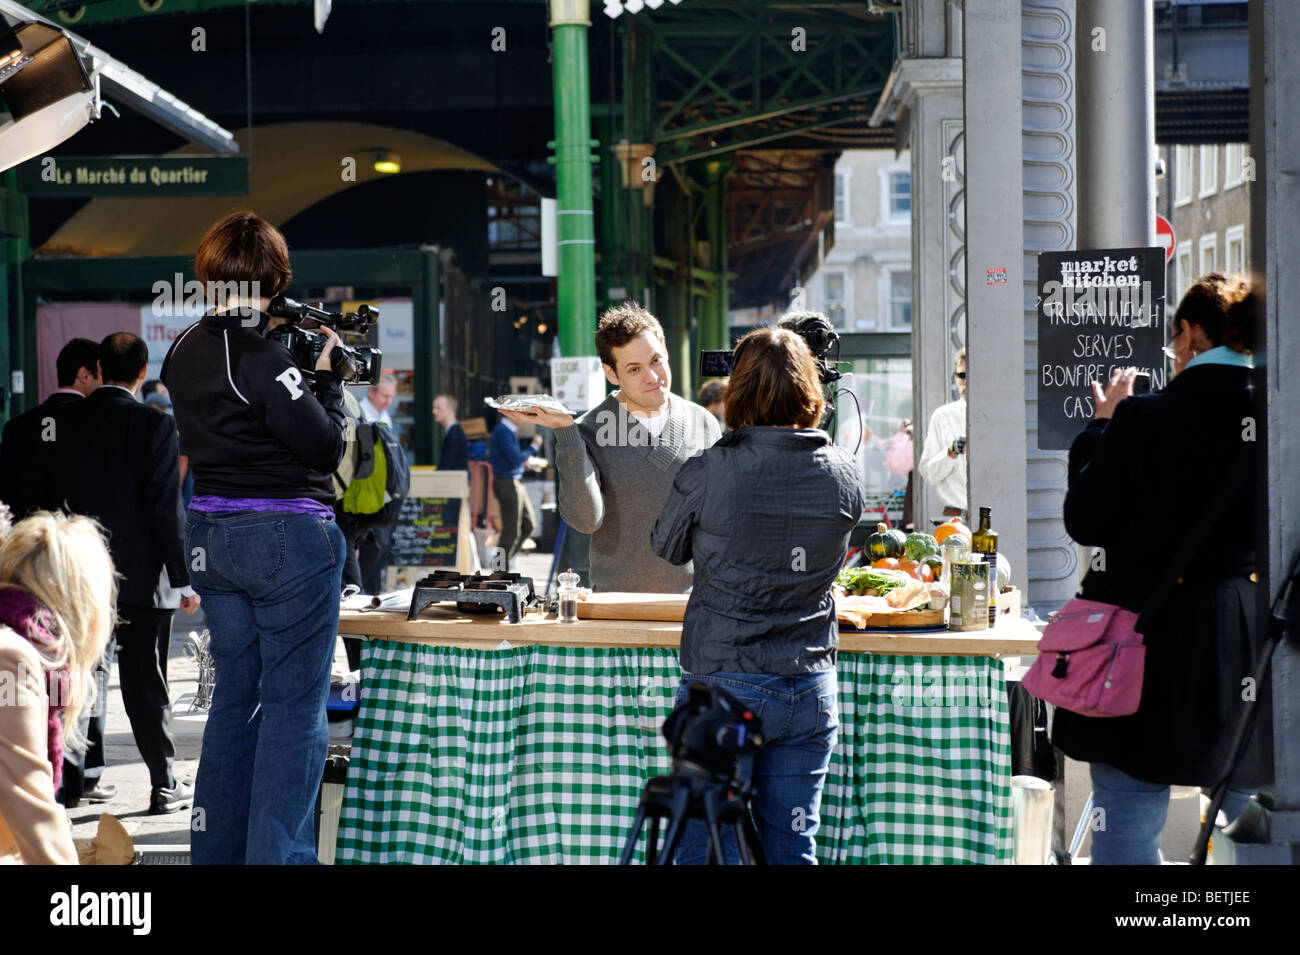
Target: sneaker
{"type": "Point", "coordinates": [162, 800]}
{"type": "Point", "coordinates": [101, 793]}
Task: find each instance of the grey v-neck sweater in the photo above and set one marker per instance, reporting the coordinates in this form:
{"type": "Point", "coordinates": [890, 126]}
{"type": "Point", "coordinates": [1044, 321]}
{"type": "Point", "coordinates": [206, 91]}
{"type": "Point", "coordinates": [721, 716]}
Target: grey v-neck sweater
{"type": "Point", "coordinates": [614, 480]}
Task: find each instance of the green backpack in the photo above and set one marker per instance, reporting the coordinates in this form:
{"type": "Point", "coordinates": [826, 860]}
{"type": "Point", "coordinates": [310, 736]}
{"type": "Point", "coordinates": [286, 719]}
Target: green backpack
{"type": "Point", "coordinates": [381, 478]}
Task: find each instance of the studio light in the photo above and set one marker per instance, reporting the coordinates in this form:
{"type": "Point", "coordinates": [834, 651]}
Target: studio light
{"type": "Point", "coordinates": [45, 86]}
{"type": "Point", "coordinates": [387, 162]}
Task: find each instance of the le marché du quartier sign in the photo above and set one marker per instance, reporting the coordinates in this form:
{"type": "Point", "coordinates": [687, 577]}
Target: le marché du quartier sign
{"type": "Point", "coordinates": [73, 177]}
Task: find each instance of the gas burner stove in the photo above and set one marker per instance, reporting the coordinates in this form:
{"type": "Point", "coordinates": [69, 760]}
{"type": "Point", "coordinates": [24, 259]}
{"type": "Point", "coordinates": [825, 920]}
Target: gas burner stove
{"type": "Point", "coordinates": [474, 593]}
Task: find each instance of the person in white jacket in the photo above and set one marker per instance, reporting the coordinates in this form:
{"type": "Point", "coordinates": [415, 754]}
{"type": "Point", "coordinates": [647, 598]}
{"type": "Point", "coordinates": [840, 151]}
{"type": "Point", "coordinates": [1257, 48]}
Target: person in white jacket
{"type": "Point", "coordinates": [943, 457]}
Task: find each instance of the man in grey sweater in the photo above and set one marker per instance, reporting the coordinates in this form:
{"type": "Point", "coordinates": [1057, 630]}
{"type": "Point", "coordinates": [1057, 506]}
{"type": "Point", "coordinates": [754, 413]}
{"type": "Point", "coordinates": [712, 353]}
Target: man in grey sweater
{"type": "Point", "coordinates": [617, 463]}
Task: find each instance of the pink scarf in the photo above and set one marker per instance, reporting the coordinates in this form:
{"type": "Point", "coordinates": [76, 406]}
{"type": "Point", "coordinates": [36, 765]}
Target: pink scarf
{"type": "Point", "coordinates": [27, 617]}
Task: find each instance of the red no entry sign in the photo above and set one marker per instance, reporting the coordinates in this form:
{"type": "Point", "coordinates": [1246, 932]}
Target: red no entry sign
{"type": "Point", "coordinates": [1165, 236]}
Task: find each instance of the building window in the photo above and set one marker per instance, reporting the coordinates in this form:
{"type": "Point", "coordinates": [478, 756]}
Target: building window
{"type": "Point", "coordinates": [1208, 247]}
{"type": "Point", "coordinates": [900, 300]}
{"type": "Point", "coordinates": [1182, 175]}
{"type": "Point", "coordinates": [841, 198]}
{"type": "Point", "coordinates": [1234, 249]}
{"type": "Point", "coordinates": [1183, 268]}
{"type": "Point", "coordinates": [1209, 170]}
{"type": "Point", "coordinates": [1234, 165]}
{"type": "Point", "coordinates": [900, 197]}
{"type": "Point", "coordinates": [833, 298]}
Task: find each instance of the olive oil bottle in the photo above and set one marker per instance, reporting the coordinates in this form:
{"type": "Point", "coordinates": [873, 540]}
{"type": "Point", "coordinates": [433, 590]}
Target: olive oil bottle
{"type": "Point", "coordinates": [985, 542]}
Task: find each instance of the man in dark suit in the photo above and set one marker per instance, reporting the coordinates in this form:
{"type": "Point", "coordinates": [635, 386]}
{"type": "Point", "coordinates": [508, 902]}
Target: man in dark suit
{"type": "Point", "coordinates": [117, 460]}
{"type": "Point", "coordinates": [455, 446]}
{"type": "Point", "coordinates": [21, 449]}
{"type": "Point", "coordinates": [78, 375]}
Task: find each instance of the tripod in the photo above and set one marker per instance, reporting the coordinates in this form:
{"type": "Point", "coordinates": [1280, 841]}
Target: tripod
{"type": "Point", "coordinates": [692, 792]}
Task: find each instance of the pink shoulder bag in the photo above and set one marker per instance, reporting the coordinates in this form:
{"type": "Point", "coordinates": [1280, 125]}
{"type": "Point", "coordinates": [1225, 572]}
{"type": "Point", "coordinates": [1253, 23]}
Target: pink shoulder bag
{"type": "Point", "coordinates": [1091, 657]}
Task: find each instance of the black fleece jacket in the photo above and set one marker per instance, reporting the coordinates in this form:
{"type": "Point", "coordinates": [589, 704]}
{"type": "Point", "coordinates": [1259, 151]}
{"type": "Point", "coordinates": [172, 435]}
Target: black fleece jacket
{"type": "Point", "coordinates": [252, 425]}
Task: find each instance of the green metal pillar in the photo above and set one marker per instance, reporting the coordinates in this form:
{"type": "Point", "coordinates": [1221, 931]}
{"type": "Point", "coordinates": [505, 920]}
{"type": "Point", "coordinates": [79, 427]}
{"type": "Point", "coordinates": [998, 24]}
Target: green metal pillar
{"type": "Point", "coordinates": [676, 303]}
{"type": "Point", "coordinates": [575, 226]}
{"type": "Point", "coordinates": [715, 321]}
{"type": "Point", "coordinates": [426, 303]}
{"type": "Point", "coordinates": [14, 328]}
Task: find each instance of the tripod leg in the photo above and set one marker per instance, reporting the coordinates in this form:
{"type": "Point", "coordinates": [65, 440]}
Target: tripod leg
{"type": "Point", "coordinates": [742, 842]}
{"type": "Point", "coordinates": [751, 841]}
{"type": "Point", "coordinates": [629, 846]}
{"type": "Point", "coordinates": [676, 823]}
{"type": "Point", "coordinates": [652, 841]}
{"type": "Point", "coordinates": [716, 855]}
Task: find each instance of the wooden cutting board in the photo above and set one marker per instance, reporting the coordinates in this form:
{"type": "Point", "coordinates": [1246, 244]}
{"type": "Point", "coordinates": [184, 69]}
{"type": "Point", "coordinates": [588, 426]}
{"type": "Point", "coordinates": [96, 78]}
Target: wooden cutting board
{"type": "Point", "coordinates": [891, 621]}
{"type": "Point", "coordinates": [672, 608]}
{"type": "Point", "coordinates": [624, 606]}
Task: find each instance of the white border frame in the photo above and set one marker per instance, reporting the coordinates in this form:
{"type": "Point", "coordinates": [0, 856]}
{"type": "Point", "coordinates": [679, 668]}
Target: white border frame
{"type": "Point", "coordinates": [1182, 276]}
{"type": "Point", "coordinates": [1183, 184]}
{"type": "Point", "coordinates": [1211, 243]}
{"type": "Point", "coordinates": [887, 220]}
{"type": "Point", "coordinates": [885, 283]}
{"type": "Point", "coordinates": [1234, 172]}
{"type": "Point", "coordinates": [1237, 234]}
{"type": "Point", "coordinates": [845, 175]}
{"type": "Point", "coordinates": [1212, 151]}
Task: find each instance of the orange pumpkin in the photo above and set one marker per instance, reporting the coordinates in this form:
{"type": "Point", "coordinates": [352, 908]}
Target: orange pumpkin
{"type": "Point", "coordinates": [948, 528]}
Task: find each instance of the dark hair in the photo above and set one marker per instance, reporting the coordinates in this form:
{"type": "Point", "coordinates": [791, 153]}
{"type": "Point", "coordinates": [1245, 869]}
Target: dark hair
{"type": "Point", "coordinates": [121, 356]}
{"type": "Point", "coordinates": [1243, 300]}
{"type": "Point", "coordinates": [619, 325]}
{"type": "Point", "coordinates": [243, 247]}
{"type": "Point", "coordinates": [149, 387]}
{"type": "Point", "coordinates": [75, 355]}
{"type": "Point", "coordinates": [774, 381]}
{"type": "Point", "coordinates": [711, 393]}
{"type": "Point", "coordinates": [1206, 303]}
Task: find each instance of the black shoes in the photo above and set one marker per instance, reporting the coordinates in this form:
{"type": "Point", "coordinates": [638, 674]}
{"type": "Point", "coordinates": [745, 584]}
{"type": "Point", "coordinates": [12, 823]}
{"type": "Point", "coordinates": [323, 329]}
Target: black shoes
{"type": "Point", "coordinates": [162, 800]}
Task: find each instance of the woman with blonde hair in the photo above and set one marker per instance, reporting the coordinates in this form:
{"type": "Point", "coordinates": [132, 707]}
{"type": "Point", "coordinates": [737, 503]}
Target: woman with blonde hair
{"type": "Point", "coordinates": [57, 593]}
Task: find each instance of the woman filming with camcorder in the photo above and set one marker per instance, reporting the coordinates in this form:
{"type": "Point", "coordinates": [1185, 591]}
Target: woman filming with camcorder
{"type": "Point", "coordinates": [765, 514]}
{"type": "Point", "coordinates": [264, 437]}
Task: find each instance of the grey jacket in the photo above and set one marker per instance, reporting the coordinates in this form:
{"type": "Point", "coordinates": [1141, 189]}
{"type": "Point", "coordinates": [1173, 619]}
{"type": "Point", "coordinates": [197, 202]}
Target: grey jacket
{"type": "Point", "coordinates": [614, 479]}
{"type": "Point", "coordinates": [766, 515]}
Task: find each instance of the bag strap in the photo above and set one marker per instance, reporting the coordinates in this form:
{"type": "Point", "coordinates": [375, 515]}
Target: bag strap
{"type": "Point", "coordinates": [1193, 541]}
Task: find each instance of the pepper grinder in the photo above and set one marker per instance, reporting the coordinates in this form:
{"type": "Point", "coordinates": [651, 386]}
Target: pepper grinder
{"type": "Point", "coordinates": [569, 596]}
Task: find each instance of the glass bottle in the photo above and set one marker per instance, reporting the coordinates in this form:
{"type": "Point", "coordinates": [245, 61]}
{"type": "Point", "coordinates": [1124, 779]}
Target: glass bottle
{"type": "Point", "coordinates": [569, 596]}
{"type": "Point", "coordinates": [985, 543]}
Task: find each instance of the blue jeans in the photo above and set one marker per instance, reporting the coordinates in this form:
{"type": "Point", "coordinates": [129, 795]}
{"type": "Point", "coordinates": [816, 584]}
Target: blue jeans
{"type": "Point", "coordinates": [1135, 811]}
{"type": "Point", "coordinates": [800, 717]}
{"type": "Point", "coordinates": [270, 588]}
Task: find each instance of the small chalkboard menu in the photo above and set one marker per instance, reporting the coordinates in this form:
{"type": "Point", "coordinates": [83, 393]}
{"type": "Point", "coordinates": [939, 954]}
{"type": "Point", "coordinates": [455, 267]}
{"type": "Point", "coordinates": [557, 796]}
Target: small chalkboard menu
{"type": "Point", "coordinates": [1098, 309]}
{"type": "Point", "coordinates": [427, 532]}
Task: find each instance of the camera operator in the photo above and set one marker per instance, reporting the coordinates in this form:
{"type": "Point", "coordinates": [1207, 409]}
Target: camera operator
{"type": "Point", "coordinates": [265, 552]}
{"type": "Point", "coordinates": [765, 514]}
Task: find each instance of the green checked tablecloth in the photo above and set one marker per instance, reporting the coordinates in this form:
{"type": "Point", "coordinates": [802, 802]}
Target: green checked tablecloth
{"type": "Point", "coordinates": [538, 754]}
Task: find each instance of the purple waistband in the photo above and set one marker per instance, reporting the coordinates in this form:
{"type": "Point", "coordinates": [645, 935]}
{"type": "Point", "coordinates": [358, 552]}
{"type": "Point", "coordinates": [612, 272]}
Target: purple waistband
{"type": "Point", "coordinates": [214, 503]}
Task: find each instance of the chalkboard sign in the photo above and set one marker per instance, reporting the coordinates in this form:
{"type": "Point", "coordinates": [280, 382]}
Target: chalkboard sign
{"type": "Point", "coordinates": [1098, 309]}
{"type": "Point", "coordinates": [426, 533]}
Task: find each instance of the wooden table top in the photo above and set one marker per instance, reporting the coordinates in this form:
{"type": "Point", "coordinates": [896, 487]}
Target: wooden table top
{"type": "Point", "coordinates": [444, 626]}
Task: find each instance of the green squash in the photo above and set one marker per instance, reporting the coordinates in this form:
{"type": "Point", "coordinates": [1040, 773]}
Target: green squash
{"type": "Point", "coordinates": [921, 545]}
{"type": "Point", "coordinates": [886, 543]}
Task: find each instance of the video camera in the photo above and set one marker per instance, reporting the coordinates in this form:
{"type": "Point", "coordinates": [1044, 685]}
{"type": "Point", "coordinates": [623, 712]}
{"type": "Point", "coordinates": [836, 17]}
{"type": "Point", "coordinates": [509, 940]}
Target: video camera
{"type": "Point", "coordinates": [710, 731]}
{"type": "Point", "coordinates": [815, 328]}
{"type": "Point", "coordinates": [355, 364]}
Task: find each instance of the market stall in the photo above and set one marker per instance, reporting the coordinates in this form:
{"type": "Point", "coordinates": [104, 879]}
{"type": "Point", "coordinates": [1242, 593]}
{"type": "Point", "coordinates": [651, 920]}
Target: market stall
{"type": "Point", "coordinates": [481, 741]}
